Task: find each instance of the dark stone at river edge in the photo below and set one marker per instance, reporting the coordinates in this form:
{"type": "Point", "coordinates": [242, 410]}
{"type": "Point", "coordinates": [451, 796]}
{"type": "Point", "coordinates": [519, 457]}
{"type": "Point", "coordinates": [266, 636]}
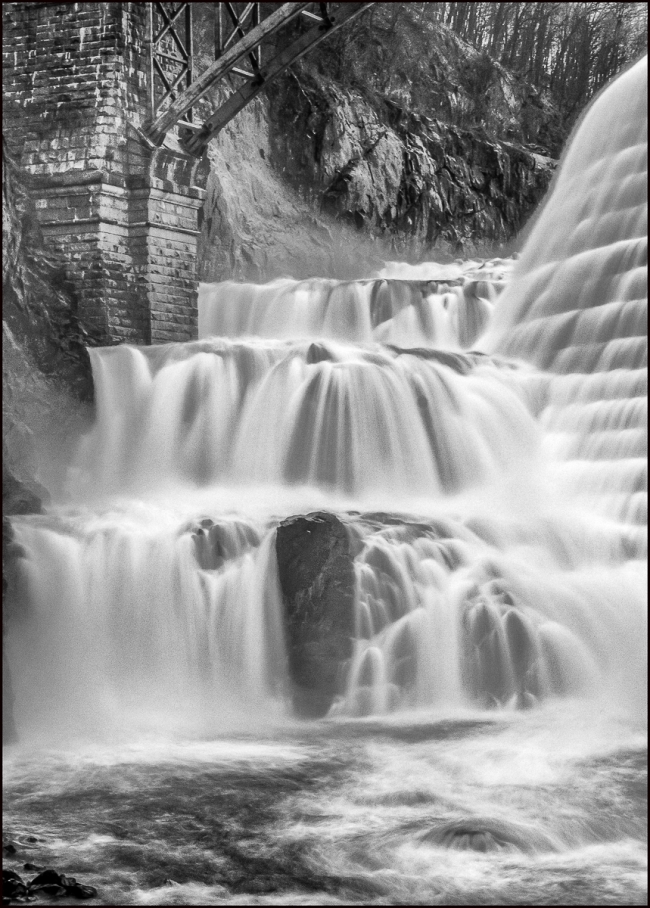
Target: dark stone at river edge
{"type": "Point", "coordinates": [316, 574]}
{"type": "Point", "coordinates": [48, 883]}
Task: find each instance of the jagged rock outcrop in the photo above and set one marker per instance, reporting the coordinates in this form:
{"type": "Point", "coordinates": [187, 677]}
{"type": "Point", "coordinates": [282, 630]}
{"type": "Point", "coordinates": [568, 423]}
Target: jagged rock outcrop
{"type": "Point", "coordinates": [254, 226]}
{"type": "Point", "coordinates": [414, 179]}
{"type": "Point", "coordinates": [323, 179]}
{"type": "Point", "coordinates": [333, 190]}
{"type": "Point", "coordinates": [316, 577]}
{"type": "Point", "coordinates": [49, 883]}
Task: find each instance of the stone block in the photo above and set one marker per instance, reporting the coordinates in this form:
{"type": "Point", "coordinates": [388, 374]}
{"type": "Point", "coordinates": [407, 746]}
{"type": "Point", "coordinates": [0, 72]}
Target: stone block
{"type": "Point", "coordinates": [68, 96]}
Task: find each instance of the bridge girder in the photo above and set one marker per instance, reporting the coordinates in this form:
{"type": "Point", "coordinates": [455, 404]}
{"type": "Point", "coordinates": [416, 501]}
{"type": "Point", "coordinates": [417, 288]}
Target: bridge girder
{"type": "Point", "coordinates": [252, 32]}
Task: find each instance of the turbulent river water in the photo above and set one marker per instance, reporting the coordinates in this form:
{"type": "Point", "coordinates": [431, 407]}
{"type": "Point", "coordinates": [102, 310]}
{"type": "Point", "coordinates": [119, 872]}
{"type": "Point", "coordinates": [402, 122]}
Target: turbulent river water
{"type": "Point", "coordinates": [485, 450]}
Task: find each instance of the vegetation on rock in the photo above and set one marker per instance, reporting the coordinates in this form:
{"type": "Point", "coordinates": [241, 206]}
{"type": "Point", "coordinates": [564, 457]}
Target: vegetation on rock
{"type": "Point", "coordinates": [436, 123]}
{"type": "Point", "coordinates": [521, 71]}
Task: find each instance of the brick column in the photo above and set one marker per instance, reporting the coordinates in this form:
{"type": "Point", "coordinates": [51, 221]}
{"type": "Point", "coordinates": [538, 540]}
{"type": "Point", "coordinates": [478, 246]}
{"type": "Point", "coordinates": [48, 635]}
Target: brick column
{"type": "Point", "coordinates": [76, 89]}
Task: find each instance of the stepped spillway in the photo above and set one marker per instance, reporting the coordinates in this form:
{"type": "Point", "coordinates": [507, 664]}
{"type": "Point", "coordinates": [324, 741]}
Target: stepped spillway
{"type": "Point", "coordinates": [482, 448]}
{"type": "Point", "coordinates": [445, 307]}
{"type": "Point", "coordinates": [577, 307]}
{"type": "Point", "coordinates": [322, 413]}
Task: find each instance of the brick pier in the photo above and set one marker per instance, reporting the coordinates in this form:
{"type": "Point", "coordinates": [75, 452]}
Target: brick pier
{"type": "Point", "coordinates": [76, 90]}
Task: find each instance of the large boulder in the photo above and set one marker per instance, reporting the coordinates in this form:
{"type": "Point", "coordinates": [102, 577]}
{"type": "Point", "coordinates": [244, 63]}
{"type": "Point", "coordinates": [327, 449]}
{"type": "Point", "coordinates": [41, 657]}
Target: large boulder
{"type": "Point", "coordinates": [316, 574]}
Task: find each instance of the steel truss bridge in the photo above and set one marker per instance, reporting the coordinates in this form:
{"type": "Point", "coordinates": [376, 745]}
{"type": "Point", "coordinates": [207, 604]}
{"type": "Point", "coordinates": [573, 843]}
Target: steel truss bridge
{"type": "Point", "coordinates": [244, 48]}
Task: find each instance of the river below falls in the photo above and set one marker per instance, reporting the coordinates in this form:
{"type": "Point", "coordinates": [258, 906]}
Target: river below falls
{"type": "Point", "coordinates": [520, 414]}
{"type": "Point", "coordinates": [546, 807]}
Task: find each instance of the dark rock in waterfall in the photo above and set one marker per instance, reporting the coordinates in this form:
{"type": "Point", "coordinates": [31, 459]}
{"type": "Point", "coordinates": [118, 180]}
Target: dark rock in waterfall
{"type": "Point", "coordinates": [208, 547]}
{"type": "Point", "coordinates": [316, 574]}
{"type": "Point", "coordinates": [215, 544]}
{"type": "Point", "coordinates": [318, 353]}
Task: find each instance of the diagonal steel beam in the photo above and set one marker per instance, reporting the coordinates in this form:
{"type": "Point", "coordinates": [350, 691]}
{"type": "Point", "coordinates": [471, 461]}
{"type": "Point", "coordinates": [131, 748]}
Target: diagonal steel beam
{"type": "Point", "coordinates": [170, 87]}
{"type": "Point", "coordinates": [197, 143]}
{"type": "Point", "coordinates": [156, 131]}
{"type": "Point", "coordinates": [238, 22]}
{"type": "Point", "coordinates": [169, 19]}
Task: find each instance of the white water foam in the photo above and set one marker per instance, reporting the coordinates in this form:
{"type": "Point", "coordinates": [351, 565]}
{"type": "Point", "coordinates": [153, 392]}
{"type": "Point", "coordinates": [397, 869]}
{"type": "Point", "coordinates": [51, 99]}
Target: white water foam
{"type": "Point", "coordinates": [511, 493]}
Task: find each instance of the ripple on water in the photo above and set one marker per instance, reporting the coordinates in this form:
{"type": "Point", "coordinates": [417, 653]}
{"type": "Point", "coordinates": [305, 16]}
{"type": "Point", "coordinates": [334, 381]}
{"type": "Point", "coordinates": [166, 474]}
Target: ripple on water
{"type": "Point", "coordinates": [420, 812]}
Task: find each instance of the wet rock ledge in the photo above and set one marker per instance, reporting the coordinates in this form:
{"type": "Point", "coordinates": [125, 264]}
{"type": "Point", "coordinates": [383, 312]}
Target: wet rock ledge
{"type": "Point", "coordinates": [316, 574]}
{"type": "Point", "coordinates": [48, 883]}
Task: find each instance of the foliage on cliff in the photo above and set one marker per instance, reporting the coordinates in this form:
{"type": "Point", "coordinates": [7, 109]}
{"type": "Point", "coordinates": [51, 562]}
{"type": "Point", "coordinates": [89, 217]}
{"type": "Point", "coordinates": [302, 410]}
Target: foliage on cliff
{"type": "Point", "coordinates": [399, 127]}
{"type": "Point", "coordinates": [568, 51]}
{"type": "Point", "coordinates": [336, 140]}
{"type": "Point", "coordinates": [437, 123]}
{"type": "Point", "coordinates": [521, 71]}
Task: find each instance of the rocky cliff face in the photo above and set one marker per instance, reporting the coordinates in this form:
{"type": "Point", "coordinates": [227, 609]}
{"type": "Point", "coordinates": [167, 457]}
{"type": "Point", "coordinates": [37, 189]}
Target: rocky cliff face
{"type": "Point", "coordinates": [257, 226]}
{"type": "Point", "coordinates": [317, 182]}
{"type": "Point", "coordinates": [417, 180]}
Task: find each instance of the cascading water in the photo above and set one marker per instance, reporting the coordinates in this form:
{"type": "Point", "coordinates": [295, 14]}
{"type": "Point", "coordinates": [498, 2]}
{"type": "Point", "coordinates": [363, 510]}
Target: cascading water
{"type": "Point", "coordinates": [321, 413]}
{"type": "Point", "coordinates": [157, 639]}
{"type": "Point", "coordinates": [449, 615]}
{"type": "Point", "coordinates": [485, 453]}
{"type": "Point", "coordinates": [577, 307]}
{"type": "Point", "coordinates": [447, 310]}
{"type": "Point", "coordinates": [453, 614]}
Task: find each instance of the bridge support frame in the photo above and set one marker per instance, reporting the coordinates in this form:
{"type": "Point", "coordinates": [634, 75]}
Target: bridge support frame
{"type": "Point", "coordinates": [123, 213]}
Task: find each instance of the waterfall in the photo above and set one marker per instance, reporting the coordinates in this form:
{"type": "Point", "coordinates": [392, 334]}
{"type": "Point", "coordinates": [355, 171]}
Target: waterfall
{"type": "Point", "coordinates": [445, 619]}
{"type": "Point", "coordinates": [577, 307]}
{"type": "Point", "coordinates": [484, 447]}
{"type": "Point", "coordinates": [438, 313]}
{"type": "Point", "coordinates": [351, 417]}
{"type": "Point", "coordinates": [135, 619]}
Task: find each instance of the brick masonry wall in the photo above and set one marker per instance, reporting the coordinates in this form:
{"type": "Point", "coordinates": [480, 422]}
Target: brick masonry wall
{"type": "Point", "coordinates": [76, 89]}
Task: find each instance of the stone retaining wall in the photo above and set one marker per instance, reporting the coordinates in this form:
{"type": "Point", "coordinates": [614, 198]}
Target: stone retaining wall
{"type": "Point", "coordinates": [76, 90]}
